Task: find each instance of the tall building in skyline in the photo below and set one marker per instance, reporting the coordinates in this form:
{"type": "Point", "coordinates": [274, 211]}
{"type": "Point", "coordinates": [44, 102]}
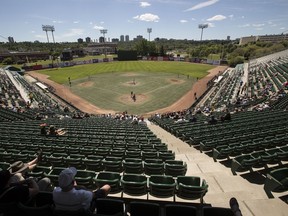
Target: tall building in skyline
{"type": "Point", "coordinates": [122, 38]}
{"type": "Point", "coordinates": [80, 40]}
{"type": "Point", "coordinates": [88, 40]}
{"type": "Point", "coordinates": [127, 38]}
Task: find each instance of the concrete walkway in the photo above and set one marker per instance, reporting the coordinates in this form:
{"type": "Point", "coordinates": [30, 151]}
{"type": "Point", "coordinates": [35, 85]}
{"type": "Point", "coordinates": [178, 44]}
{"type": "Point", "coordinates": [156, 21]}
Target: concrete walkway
{"type": "Point", "coordinates": [247, 187]}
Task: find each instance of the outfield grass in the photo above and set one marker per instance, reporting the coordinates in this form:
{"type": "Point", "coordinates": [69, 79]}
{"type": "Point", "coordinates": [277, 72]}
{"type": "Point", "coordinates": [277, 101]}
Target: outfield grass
{"type": "Point", "coordinates": [108, 85]}
{"type": "Point", "coordinates": [77, 72]}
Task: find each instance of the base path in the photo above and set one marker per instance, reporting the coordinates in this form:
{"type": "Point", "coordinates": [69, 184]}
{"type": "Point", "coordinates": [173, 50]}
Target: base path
{"type": "Point", "coordinates": [183, 103]}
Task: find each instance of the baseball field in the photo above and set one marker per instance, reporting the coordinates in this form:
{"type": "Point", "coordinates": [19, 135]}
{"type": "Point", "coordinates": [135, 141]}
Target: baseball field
{"type": "Point", "coordinates": [137, 87]}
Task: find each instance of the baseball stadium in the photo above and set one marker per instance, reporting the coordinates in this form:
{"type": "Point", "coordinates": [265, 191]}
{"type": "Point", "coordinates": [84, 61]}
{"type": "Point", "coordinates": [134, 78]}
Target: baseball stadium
{"type": "Point", "coordinates": [168, 137]}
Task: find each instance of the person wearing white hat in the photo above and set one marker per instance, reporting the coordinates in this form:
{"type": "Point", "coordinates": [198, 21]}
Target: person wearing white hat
{"type": "Point", "coordinates": [68, 198]}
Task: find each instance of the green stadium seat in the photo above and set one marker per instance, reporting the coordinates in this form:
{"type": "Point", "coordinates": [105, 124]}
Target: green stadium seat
{"type": "Point", "coordinates": [162, 186]}
{"type": "Point", "coordinates": [175, 168]}
{"type": "Point", "coordinates": [141, 208]}
{"type": "Point", "coordinates": [191, 187]}
{"type": "Point", "coordinates": [276, 181]}
{"type": "Point", "coordinates": [132, 165]}
{"type": "Point", "coordinates": [133, 184]}
{"type": "Point", "coordinates": [154, 167]}
{"type": "Point", "coordinates": [110, 178]}
{"type": "Point", "coordinates": [179, 209]}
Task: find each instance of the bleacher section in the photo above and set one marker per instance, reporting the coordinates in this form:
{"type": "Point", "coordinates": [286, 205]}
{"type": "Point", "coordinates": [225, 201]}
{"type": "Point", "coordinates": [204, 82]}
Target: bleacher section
{"type": "Point", "coordinates": [141, 166]}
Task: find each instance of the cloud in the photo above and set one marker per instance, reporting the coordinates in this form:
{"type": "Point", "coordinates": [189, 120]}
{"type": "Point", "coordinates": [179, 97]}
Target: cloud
{"type": "Point", "coordinates": [144, 4]}
{"type": "Point", "coordinates": [258, 25]}
{"type": "Point", "coordinates": [98, 27]}
{"type": "Point", "coordinates": [217, 18]}
{"type": "Point", "coordinates": [202, 5]}
{"type": "Point", "coordinates": [73, 32]}
{"type": "Point", "coordinates": [147, 17]}
{"type": "Point", "coordinates": [76, 22]}
{"type": "Point", "coordinates": [58, 21]}
{"type": "Point", "coordinates": [183, 21]}
{"type": "Point", "coordinates": [211, 25]}
{"type": "Point", "coordinates": [231, 16]}
{"type": "Point", "coordinates": [245, 25]}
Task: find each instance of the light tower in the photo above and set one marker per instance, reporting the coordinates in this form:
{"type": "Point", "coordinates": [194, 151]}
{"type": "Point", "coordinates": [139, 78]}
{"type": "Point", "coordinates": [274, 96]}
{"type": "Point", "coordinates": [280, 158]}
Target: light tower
{"type": "Point", "coordinates": [50, 28]}
{"type": "Point", "coordinates": [104, 31]}
{"type": "Point", "coordinates": [202, 26]}
{"type": "Point", "coordinates": [149, 30]}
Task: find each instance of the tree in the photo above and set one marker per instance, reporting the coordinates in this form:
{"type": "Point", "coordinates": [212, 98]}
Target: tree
{"type": "Point", "coordinates": [162, 51]}
{"type": "Point", "coordinates": [145, 48]}
{"type": "Point", "coordinates": [7, 61]}
{"type": "Point", "coordinates": [236, 60]}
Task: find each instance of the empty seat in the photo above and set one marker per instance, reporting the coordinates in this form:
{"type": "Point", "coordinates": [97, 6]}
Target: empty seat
{"type": "Point", "coordinates": [154, 167]}
{"type": "Point", "coordinates": [162, 186]}
{"type": "Point", "coordinates": [276, 181]}
{"type": "Point", "coordinates": [108, 206]}
{"type": "Point", "coordinates": [191, 187]}
{"type": "Point", "coordinates": [44, 210]}
{"type": "Point", "coordinates": [132, 165]}
{"type": "Point", "coordinates": [179, 209]}
{"type": "Point", "coordinates": [94, 164]}
{"type": "Point", "coordinates": [217, 211]}
{"type": "Point", "coordinates": [113, 164]}
{"type": "Point", "coordinates": [135, 185]}
{"type": "Point", "coordinates": [175, 168]}
{"type": "Point", "coordinates": [138, 208]}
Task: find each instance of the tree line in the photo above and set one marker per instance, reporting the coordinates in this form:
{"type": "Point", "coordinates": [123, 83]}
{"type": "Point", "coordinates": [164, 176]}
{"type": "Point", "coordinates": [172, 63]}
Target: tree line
{"type": "Point", "coordinates": [229, 51]}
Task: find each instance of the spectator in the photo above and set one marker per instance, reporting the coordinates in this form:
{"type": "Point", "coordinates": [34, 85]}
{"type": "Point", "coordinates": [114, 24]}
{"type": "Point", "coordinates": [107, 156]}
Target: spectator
{"type": "Point", "coordinates": [226, 117]}
{"type": "Point", "coordinates": [23, 191]}
{"type": "Point", "coordinates": [213, 120]}
{"type": "Point", "coordinates": [70, 197]}
{"type": "Point", "coordinates": [55, 132]}
{"type": "Point", "coordinates": [20, 172]}
{"type": "Point", "coordinates": [235, 207]}
{"type": "Point", "coordinates": [43, 129]}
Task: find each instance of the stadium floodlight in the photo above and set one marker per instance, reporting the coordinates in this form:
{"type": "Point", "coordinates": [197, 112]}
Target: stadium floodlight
{"type": "Point", "coordinates": [104, 31]}
{"type": "Point", "coordinates": [50, 28]}
{"type": "Point", "coordinates": [149, 30]}
{"type": "Point", "coordinates": [202, 26]}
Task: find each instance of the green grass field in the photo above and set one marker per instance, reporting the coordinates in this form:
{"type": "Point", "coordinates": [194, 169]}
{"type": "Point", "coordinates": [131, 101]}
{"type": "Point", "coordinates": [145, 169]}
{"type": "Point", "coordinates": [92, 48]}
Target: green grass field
{"type": "Point", "coordinates": [109, 85]}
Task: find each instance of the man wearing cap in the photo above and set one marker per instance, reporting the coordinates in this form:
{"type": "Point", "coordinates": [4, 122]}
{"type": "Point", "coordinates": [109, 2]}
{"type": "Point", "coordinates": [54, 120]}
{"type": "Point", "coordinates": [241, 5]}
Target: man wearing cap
{"type": "Point", "coordinates": [20, 192]}
{"type": "Point", "coordinates": [68, 198]}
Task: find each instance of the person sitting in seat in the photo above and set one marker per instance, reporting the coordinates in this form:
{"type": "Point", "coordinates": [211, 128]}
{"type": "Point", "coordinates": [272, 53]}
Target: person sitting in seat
{"type": "Point", "coordinates": [20, 172]}
{"type": "Point", "coordinates": [43, 131]}
{"type": "Point", "coordinates": [213, 120]}
{"type": "Point", "coordinates": [55, 132]}
{"type": "Point", "coordinates": [70, 197]}
{"type": "Point", "coordinates": [23, 191]}
{"type": "Point", "coordinates": [226, 117]}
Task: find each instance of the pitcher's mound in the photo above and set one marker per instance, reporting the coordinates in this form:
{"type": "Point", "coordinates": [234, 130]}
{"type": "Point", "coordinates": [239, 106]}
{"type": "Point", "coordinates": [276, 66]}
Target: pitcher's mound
{"type": "Point", "coordinates": [127, 99]}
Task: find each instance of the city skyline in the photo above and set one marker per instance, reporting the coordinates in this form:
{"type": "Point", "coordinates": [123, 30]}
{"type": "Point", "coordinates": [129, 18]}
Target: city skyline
{"type": "Point", "coordinates": [169, 19]}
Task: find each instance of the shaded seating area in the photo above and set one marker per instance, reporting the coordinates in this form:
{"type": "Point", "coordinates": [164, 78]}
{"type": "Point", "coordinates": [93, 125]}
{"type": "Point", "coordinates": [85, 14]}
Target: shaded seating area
{"type": "Point", "coordinates": [276, 181]}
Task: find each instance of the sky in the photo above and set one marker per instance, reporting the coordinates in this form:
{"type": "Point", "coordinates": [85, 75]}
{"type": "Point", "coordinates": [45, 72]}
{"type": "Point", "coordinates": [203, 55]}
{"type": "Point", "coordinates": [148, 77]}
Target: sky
{"type": "Point", "coordinates": [171, 19]}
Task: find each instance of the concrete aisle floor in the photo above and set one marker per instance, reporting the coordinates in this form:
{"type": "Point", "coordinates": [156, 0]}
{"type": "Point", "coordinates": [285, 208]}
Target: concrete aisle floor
{"type": "Point", "coordinates": [246, 187]}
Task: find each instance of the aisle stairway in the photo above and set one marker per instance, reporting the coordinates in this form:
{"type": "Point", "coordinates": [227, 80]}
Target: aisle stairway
{"type": "Point", "coordinates": [247, 188]}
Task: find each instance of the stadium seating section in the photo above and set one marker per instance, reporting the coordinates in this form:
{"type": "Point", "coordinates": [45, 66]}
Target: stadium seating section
{"type": "Point", "coordinates": [133, 160]}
